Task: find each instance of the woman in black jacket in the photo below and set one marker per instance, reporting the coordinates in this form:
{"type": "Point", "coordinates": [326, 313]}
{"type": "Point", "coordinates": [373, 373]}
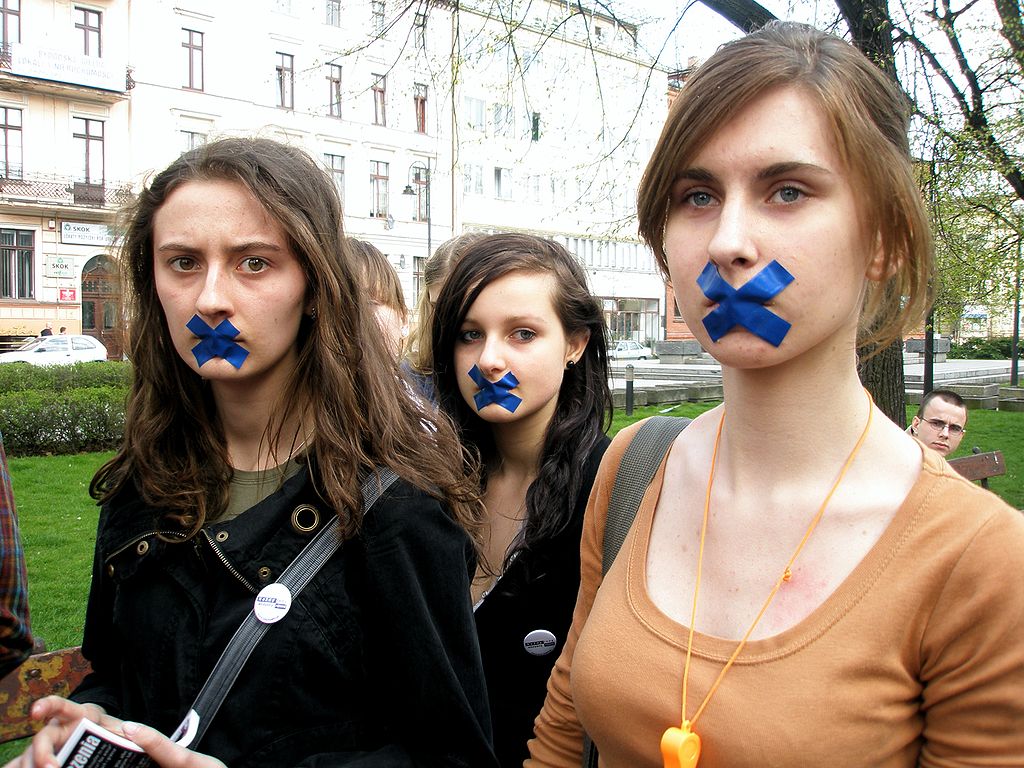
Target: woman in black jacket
{"type": "Point", "coordinates": [520, 364]}
{"type": "Point", "coordinates": [263, 391]}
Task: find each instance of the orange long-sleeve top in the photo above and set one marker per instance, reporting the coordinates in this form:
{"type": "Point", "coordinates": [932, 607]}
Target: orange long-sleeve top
{"type": "Point", "coordinates": [917, 659]}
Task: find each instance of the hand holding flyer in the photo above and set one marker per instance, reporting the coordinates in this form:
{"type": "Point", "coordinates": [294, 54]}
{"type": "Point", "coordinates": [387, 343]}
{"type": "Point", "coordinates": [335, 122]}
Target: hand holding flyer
{"type": "Point", "coordinates": [92, 746]}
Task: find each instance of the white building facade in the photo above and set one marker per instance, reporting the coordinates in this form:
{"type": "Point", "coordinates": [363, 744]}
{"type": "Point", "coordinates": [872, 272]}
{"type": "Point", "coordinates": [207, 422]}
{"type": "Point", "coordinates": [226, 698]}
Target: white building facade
{"type": "Point", "coordinates": [64, 110]}
{"type": "Point", "coordinates": [432, 120]}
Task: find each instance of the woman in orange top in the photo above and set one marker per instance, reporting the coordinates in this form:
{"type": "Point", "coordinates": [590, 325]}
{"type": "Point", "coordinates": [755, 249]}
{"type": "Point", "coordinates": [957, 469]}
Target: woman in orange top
{"type": "Point", "coordinates": [804, 584]}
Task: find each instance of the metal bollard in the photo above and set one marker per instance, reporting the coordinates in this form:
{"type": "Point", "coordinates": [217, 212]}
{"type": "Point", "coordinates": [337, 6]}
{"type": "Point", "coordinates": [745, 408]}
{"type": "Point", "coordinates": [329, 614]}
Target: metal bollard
{"type": "Point", "coordinates": [629, 389]}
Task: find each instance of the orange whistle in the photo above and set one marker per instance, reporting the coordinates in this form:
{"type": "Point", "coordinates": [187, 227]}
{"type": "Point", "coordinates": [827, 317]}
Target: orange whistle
{"type": "Point", "coordinates": [680, 747]}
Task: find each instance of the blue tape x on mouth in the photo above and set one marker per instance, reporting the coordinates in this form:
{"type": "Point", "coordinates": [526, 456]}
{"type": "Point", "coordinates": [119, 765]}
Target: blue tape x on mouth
{"type": "Point", "coordinates": [744, 306]}
{"type": "Point", "coordinates": [498, 392]}
{"type": "Point", "coordinates": [216, 342]}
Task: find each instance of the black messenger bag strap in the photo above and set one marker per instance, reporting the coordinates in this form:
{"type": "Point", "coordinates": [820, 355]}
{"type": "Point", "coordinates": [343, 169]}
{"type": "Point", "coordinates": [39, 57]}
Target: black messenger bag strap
{"type": "Point", "coordinates": [295, 578]}
{"type": "Point", "coordinates": [640, 462]}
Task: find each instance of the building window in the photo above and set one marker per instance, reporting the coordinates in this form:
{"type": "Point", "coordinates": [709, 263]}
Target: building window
{"type": "Point", "coordinates": [377, 15]}
{"type": "Point", "coordinates": [535, 127]}
{"type": "Point", "coordinates": [88, 315]}
{"type": "Point", "coordinates": [378, 189]}
{"type": "Point", "coordinates": [503, 183]}
{"type": "Point", "coordinates": [419, 98]}
{"type": "Point", "coordinates": [10, 21]}
{"type": "Point", "coordinates": [418, 283]}
{"type": "Point", "coordinates": [420, 180]}
{"type": "Point", "coordinates": [191, 140]}
{"type": "Point", "coordinates": [17, 255]}
{"type": "Point", "coordinates": [10, 136]}
{"type": "Point", "coordinates": [473, 179]}
{"type": "Point", "coordinates": [334, 87]}
{"type": "Point", "coordinates": [474, 113]}
{"type": "Point", "coordinates": [285, 80]}
{"type": "Point", "coordinates": [88, 135]}
{"type": "Point", "coordinates": [334, 13]}
{"type": "Point", "coordinates": [336, 165]}
{"type": "Point", "coordinates": [89, 22]}
{"type": "Point", "coordinates": [533, 186]}
{"type": "Point", "coordinates": [504, 119]}
{"type": "Point", "coordinates": [380, 97]}
{"type": "Point", "coordinates": [559, 190]}
{"type": "Point", "coordinates": [193, 45]}
{"type": "Point", "coordinates": [419, 31]}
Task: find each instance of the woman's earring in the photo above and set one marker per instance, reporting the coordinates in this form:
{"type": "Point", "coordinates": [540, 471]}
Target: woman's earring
{"type": "Point", "coordinates": [312, 314]}
{"type": "Point", "coordinates": [570, 365]}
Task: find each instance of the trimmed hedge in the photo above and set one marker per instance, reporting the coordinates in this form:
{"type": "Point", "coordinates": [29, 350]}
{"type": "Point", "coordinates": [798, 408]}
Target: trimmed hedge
{"type": "Point", "coordinates": [35, 422]}
{"type": "Point", "coordinates": [995, 348]}
{"type": "Point", "coordinates": [19, 377]}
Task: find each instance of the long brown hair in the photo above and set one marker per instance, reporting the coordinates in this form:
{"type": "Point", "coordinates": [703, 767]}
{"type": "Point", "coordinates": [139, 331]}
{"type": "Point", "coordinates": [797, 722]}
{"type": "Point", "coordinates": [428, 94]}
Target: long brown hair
{"type": "Point", "coordinates": [869, 117]}
{"type": "Point", "coordinates": [346, 382]}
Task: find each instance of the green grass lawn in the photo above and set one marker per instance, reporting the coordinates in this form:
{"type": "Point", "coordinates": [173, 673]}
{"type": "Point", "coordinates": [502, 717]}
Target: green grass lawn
{"type": "Point", "coordinates": [58, 519]}
{"type": "Point", "coordinates": [58, 530]}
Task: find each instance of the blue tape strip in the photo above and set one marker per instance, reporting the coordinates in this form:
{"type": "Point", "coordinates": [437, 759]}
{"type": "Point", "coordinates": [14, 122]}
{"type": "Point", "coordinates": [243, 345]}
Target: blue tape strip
{"type": "Point", "coordinates": [216, 342]}
{"type": "Point", "coordinates": [744, 306]}
{"type": "Point", "coordinates": [498, 392]}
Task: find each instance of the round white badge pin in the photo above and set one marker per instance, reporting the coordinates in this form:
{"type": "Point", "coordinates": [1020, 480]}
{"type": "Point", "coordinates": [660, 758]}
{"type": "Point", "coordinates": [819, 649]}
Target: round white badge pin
{"type": "Point", "coordinates": [540, 642]}
{"type": "Point", "coordinates": [272, 603]}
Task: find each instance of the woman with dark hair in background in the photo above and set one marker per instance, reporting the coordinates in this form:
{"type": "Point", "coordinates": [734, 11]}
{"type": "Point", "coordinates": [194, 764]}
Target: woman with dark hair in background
{"type": "Point", "coordinates": [520, 364]}
{"type": "Point", "coordinates": [263, 391]}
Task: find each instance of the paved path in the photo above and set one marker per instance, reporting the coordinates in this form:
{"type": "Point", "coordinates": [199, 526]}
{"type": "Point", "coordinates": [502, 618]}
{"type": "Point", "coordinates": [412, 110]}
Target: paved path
{"type": "Point", "coordinates": [651, 374]}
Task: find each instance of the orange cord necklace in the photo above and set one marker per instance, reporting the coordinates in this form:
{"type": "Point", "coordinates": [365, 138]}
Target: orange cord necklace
{"type": "Point", "coordinates": [680, 747]}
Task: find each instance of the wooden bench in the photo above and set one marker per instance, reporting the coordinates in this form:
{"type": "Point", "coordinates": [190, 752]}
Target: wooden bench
{"type": "Point", "coordinates": [41, 674]}
{"type": "Point", "coordinates": [980, 466]}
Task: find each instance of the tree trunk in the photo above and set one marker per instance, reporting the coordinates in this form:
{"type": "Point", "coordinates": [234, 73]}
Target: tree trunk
{"type": "Point", "coordinates": [882, 375]}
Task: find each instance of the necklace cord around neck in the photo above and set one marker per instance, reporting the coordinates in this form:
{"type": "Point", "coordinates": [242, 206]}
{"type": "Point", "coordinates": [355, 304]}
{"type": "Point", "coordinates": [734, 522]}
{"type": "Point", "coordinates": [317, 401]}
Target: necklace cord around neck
{"type": "Point", "coordinates": [786, 572]}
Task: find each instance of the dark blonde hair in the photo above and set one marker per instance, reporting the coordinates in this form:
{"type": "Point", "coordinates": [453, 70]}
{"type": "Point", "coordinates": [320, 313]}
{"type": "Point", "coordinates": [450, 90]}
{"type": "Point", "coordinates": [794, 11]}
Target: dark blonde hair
{"type": "Point", "coordinates": [868, 115]}
{"type": "Point", "coordinates": [435, 271]}
{"type": "Point", "coordinates": [346, 381]}
{"type": "Point", "coordinates": [379, 276]}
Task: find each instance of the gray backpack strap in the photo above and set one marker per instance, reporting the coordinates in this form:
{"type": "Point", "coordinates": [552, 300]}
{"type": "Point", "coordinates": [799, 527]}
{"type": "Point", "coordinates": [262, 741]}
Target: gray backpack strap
{"type": "Point", "coordinates": [640, 461]}
{"type": "Point", "coordinates": [295, 577]}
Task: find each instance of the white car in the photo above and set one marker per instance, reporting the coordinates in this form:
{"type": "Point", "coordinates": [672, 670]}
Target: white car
{"type": "Point", "coordinates": [628, 350]}
{"type": "Point", "coordinates": [55, 350]}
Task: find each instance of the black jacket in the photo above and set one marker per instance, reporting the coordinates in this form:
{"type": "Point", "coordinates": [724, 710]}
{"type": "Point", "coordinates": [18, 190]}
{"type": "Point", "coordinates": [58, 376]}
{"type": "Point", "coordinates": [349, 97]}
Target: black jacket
{"type": "Point", "coordinates": [376, 664]}
{"type": "Point", "coordinates": [536, 592]}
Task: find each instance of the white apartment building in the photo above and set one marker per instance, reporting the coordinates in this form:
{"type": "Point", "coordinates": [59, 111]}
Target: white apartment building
{"type": "Point", "coordinates": [64, 110]}
{"type": "Point", "coordinates": [432, 120]}
{"type": "Point", "coordinates": [558, 114]}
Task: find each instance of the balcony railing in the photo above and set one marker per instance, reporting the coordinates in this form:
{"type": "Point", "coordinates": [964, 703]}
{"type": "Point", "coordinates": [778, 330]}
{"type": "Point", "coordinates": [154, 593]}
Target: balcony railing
{"type": "Point", "coordinates": [59, 190]}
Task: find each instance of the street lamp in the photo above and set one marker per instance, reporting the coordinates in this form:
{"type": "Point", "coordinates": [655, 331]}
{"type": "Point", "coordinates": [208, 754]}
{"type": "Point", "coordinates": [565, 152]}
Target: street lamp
{"type": "Point", "coordinates": [420, 175]}
{"type": "Point", "coordinates": [1015, 343]}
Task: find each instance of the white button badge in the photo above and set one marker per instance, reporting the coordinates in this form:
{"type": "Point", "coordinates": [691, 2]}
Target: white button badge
{"type": "Point", "coordinates": [272, 603]}
{"type": "Point", "coordinates": [540, 642]}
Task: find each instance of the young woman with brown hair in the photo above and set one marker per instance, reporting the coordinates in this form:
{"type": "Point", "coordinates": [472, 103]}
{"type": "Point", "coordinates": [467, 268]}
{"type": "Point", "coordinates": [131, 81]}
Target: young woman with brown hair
{"type": "Point", "coordinates": [263, 392]}
{"type": "Point", "coordinates": [803, 584]}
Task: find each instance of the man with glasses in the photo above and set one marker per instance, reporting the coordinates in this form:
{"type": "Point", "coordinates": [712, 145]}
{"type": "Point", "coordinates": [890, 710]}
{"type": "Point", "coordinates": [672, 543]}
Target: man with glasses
{"type": "Point", "coordinates": [940, 421]}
